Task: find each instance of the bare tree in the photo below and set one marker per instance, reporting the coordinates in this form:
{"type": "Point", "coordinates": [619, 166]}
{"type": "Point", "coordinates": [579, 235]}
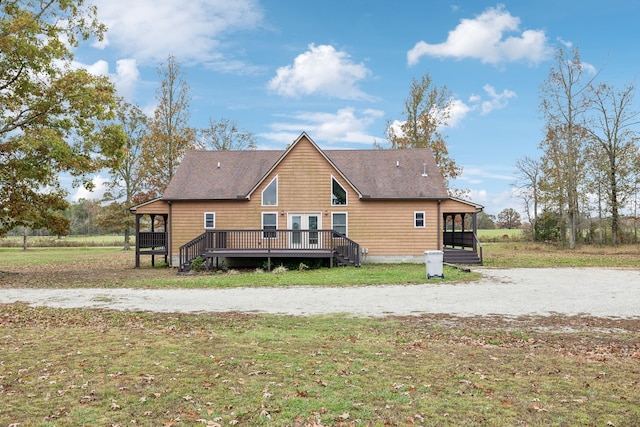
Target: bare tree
{"type": "Point", "coordinates": [529, 172]}
{"type": "Point", "coordinates": [564, 104]}
{"type": "Point", "coordinates": [225, 134]}
{"type": "Point", "coordinates": [614, 137]}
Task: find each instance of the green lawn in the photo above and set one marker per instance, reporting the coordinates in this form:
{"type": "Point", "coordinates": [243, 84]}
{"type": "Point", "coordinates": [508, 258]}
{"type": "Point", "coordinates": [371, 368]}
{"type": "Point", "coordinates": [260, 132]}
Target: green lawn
{"type": "Point", "coordinates": [100, 367]}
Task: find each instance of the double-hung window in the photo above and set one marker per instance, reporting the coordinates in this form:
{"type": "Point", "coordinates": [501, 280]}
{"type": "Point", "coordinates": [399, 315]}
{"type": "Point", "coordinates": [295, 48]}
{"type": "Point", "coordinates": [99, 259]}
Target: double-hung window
{"type": "Point", "coordinates": [269, 222]}
{"type": "Point", "coordinates": [339, 222]}
{"type": "Point", "coordinates": [419, 220]}
{"type": "Point", "coordinates": [209, 220]}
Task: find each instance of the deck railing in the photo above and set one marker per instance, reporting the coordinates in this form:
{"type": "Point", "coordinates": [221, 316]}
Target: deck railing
{"type": "Point", "coordinates": [270, 242]}
{"type": "Point", "coordinates": [191, 250]}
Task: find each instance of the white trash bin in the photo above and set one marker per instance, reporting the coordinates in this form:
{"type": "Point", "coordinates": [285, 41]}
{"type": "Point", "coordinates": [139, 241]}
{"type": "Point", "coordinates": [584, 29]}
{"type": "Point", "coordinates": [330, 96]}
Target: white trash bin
{"type": "Point", "coordinates": [434, 264]}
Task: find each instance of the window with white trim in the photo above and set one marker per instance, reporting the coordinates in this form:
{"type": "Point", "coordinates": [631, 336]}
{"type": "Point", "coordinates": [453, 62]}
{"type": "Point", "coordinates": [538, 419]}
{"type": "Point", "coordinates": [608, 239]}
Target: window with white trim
{"type": "Point", "coordinates": [338, 193]}
{"type": "Point", "coordinates": [339, 222]}
{"type": "Point", "coordinates": [269, 222]}
{"type": "Point", "coordinates": [209, 220]}
{"type": "Point", "coordinates": [419, 219]}
{"type": "Point", "coordinates": [270, 193]}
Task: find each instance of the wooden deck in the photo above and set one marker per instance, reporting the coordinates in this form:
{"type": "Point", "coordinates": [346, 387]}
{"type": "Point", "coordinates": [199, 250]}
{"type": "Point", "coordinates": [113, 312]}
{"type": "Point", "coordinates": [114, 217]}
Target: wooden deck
{"type": "Point", "coordinates": [268, 243]}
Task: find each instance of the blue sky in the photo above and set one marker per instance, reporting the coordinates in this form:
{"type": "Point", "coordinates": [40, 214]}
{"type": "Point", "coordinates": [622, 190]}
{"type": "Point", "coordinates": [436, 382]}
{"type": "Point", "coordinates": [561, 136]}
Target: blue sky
{"type": "Point", "coordinates": [339, 70]}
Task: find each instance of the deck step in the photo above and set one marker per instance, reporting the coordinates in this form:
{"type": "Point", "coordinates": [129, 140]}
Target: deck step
{"type": "Point", "coordinates": [460, 256]}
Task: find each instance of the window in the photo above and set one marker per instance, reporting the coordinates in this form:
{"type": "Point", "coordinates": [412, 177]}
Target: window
{"type": "Point", "coordinates": [209, 220]}
{"type": "Point", "coordinates": [270, 193]}
{"type": "Point", "coordinates": [338, 193]}
{"type": "Point", "coordinates": [269, 222]}
{"type": "Point", "coordinates": [418, 219]}
{"type": "Point", "coordinates": [339, 222]}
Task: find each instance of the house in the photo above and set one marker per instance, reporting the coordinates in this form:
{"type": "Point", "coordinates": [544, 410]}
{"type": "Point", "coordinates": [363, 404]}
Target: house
{"type": "Point", "coordinates": [348, 206]}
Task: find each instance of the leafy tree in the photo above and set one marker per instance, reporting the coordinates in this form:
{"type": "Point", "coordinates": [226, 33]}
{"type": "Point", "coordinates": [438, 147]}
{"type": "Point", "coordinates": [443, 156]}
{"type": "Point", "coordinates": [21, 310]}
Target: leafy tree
{"type": "Point", "coordinates": [427, 110]}
{"type": "Point", "coordinates": [547, 227]}
{"type": "Point", "coordinates": [564, 104]}
{"type": "Point", "coordinates": [226, 135]}
{"type": "Point", "coordinates": [485, 221]}
{"type": "Point", "coordinates": [49, 111]}
{"type": "Point", "coordinates": [614, 139]}
{"type": "Point", "coordinates": [169, 133]}
{"type": "Point", "coordinates": [126, 187]}
{"type": "Point", "coordinates": [509, 218]}
{"type": "Point", "coordinates": [82, 217]}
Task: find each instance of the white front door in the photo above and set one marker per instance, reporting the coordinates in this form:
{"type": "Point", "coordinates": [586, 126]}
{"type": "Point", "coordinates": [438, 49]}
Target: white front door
{"type": "Point", "coordinates": [304, 221]}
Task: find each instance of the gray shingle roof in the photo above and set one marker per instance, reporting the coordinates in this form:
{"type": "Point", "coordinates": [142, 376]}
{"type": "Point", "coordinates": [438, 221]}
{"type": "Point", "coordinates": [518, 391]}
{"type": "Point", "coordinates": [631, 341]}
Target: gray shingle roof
{"type": "Point", "coordinates": [376, 174]}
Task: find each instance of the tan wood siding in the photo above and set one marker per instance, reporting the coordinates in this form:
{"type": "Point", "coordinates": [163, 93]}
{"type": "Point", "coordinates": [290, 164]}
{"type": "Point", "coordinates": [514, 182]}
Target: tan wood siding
{"type": "Point", "coordinates": [304, 186]}
{"type": "Point", "coordinates": [155, 207]}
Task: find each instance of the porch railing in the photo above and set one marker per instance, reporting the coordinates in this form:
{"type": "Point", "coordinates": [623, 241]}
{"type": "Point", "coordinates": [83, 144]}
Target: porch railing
{"type": "Point", "coordinates": [152, 239]}
{"type": "Point", "coordinates": [270, 242]}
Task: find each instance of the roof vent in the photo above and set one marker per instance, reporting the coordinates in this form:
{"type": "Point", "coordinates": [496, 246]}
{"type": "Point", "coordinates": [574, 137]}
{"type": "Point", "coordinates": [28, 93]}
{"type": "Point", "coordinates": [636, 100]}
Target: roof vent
{"type": "Point", "coordinates": [424, 169]}
{"type": "Point", "coordinates": [398, 163]}
{"type": "Point", "coordinates": [218, 165]}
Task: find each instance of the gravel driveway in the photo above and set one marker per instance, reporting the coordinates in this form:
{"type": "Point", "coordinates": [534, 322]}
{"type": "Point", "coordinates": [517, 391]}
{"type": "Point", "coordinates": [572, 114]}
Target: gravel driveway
{"type": "Point", "coordinates": [511, 292]}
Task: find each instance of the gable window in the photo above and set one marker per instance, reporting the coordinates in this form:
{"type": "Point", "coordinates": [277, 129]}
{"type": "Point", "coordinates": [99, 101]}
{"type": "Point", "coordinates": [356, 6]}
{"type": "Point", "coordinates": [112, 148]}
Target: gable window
{"type": "Point", "coordinates": [338, 193]}
{"type": "Point", "coordinates": [209, 220]}
{"type": "Point", "coordinates": [418, 219]}
{"type": "Point", "coordinates": [270, 193]}
{"type": "Point", "coordinates": [269, 222]}
{"type": "Point", "coordinates": [339, 222]}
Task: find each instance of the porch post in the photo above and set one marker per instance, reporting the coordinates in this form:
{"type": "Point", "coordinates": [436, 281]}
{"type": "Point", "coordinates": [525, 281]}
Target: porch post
{"type": "Point", "coordinates": [165, 217]}
{"type": "Point", "coordinates": [137, 240]}
{"type": "Point", "coordinates": [475, 230]}
{"type": "Point", "coordinates": [153, 248]}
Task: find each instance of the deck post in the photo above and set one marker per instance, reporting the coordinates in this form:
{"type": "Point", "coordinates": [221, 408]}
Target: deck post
{"type": "Point", "coordinates": [137, 241]}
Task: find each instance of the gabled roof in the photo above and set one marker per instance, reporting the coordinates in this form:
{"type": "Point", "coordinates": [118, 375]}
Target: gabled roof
{"type": "Point", "coordinates": [373, 174]}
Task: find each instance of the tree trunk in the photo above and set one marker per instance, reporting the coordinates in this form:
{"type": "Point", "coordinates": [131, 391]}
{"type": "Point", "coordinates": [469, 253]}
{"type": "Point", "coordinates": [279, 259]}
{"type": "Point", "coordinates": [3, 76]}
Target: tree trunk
{"type": "Point", "coordinates": [24, 238]}
{"type": "Point", "coordinates": [127, 239]}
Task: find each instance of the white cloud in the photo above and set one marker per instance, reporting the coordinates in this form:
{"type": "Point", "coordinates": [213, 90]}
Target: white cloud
{"type": "Point", "coordinates": [98, 192]}
{"type": "Point", "coordinates": [495, 101]}
{"type": "Point", "coordinates": [193, 31]}
{"type": "Point", "coordinates": [127, 76]}
{"type": "Point", "coordinates": [321, 70]}
{"type": "Point", "coordinates": [344, 126]}
{"type": "Point", "coordinates": [483, 38]}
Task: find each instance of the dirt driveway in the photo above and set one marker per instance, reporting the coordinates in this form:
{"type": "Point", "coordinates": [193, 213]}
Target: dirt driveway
{"type": "Point", "coordinates": [612, 293]}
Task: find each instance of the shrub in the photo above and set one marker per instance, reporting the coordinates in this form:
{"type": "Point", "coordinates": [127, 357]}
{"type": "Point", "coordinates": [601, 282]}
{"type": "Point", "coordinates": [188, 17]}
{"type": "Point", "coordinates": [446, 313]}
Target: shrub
{"type": "Point", "coordinates": [280, 270]}
{"type": "Point", "coordinates": [197, 264]}
{"type": "Point", "coordinates": [303, 267]}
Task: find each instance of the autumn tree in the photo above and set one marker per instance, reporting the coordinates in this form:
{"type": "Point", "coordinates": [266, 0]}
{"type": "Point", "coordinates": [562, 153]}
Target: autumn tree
{"type": "Point", "coordinates": [614, 138]}
{"type": "Point", "coordinates": [49, 110]}
{"type": "Point", "coordinates": [564, 104]}
{"type": "Point", "coordinates": [126, 187]}
{"type": "Point", "coordinates": [509, 218]}
{"type": "Point", "coordinates": [427, 110]}
{"type": "Point", "coordinates": [225, 134]}
{"type": "Point", "coordinates": [170, 135]}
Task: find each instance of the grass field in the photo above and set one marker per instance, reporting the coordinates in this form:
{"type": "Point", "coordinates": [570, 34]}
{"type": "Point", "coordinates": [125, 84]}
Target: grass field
{"type": "Point", "coordinates": [66, 241]}
{"type": "Point", "coordinates": [106, 368]}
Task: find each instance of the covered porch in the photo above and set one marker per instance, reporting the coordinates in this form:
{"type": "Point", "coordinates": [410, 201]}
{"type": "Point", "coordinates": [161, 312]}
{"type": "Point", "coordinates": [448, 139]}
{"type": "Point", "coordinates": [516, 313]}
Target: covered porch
{"type": "Point", "coordinates": [153, 242]}
{"type": "Point", "coordinates": [460, 238]}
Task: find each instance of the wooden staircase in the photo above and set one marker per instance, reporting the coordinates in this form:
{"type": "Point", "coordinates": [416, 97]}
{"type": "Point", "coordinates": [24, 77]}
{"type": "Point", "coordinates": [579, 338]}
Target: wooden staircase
{"type": "Point", "coordinates": [461, 256]}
